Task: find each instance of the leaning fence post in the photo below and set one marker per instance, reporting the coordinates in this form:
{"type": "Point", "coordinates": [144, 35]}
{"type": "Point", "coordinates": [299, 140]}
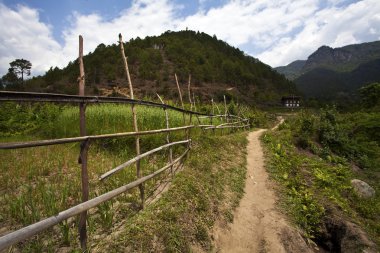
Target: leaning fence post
{"type": "Point", "coordinates": [167, 135]}
{"type": "Point", "coordinates": [134, 115]}
{"type": "Point", "coordinates": [83, 150]}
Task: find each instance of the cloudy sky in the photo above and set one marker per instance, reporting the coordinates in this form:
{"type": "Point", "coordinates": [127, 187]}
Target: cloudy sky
{"type": "Point", "coordinates": [277, 32]}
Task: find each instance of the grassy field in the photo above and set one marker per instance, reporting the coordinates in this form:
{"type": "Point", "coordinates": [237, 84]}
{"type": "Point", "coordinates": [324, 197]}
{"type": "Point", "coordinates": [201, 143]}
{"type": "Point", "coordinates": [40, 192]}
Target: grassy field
{"type": "Point", "coordinates": [39, 182]}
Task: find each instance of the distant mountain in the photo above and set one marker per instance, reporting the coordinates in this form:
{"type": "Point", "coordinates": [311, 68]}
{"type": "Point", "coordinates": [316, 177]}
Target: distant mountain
{"type": "Point", "coordinates": [216, 69]}
{"type": "Point", "coordinates": [329, 84]}
{"type": "Point", "coordinates": [331, 73]}
{"type": "Point", "coordinates": [292, 70]}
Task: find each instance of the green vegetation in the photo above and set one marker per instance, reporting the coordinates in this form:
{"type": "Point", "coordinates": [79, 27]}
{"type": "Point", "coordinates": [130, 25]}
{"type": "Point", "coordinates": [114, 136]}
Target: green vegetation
{"type": "Point", "coordinates": [313, 155]}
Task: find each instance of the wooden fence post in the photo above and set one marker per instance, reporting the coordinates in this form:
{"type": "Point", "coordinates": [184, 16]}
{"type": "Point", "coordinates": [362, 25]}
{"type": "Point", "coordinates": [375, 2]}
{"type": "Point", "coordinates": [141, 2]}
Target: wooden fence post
{"type": "Point", "coordinates": [189, 91]}
{"type": "Point", "coordinates": [213, 113]}
{"type": "Point", "coordinates": [134, 115]}
{"type": "Point", "coordinates": [167, 135]}
{"type": "Point", "coordinates": [180, 97]}
{"type": "Point", "coordinates": [195, 108]}
{"type": "Point", "coordinates": [83, 150]}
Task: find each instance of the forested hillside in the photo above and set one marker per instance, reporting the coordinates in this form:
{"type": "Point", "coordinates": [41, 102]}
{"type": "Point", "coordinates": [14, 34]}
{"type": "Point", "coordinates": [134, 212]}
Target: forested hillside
{"type": "Point", "coordinates": [336, 74]}
{"type": "Point", "coordinates": [216, 68]}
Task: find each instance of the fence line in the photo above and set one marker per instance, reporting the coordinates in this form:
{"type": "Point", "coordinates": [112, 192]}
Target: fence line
{"type": "Point", "coordinates": [28, 231]}
{"type": "Point", "coordinates": [62, 98]}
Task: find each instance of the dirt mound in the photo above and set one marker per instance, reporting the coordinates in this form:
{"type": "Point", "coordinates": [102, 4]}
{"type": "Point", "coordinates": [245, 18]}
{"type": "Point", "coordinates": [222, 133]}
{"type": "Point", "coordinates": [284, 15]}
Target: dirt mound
{"type": "Point", "coordinates": [339, 235]}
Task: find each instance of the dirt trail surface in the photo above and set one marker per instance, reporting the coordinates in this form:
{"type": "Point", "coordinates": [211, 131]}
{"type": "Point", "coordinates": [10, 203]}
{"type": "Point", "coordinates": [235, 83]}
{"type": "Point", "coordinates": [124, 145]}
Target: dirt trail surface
{"type": "Point", "coordinates": [258, 225]}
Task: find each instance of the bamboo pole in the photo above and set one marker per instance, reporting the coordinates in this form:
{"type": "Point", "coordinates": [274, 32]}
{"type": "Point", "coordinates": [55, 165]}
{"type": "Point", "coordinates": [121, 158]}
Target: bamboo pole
{"type": "Point", "coordinates": [226, 126]}
{"type": "Point", "coordinates": [16, 145]}
{"type": "Point", "coordinates": [167, 135]}
{"type": "Point", "coordinates": [83, 150]}
{"type": "Point", "coordinates": [134, 115]}
{"type": "Point", "coordinates": [139, 157]}
{"type": "Point", "coordinates": [180, 98]}
{"type": "Point", "coordinates": [191, 108]}
{"type": "Point", "coordinates": [195, 108]}
{"type": "Point", "coordinates": [189, 91]}
{"type": "Point", "coordinates": [33, 229]}
{"type": "Point", "coordinates": [225, 107]}
{"type": "Point", "coordinates": [179, 91]}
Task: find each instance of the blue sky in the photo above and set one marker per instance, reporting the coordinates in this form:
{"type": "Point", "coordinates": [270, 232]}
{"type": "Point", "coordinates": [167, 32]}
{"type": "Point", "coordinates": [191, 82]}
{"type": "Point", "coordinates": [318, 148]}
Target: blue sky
{"type": "Point", "coordinates": [275, 31]}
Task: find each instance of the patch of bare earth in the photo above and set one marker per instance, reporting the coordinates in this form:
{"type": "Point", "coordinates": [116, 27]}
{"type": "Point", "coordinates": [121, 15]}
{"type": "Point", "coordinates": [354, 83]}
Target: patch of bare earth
{"type": "Point", "coordinates": [258, 226]}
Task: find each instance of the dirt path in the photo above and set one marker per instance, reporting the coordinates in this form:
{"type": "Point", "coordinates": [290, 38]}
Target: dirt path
{"type": "Point", "coordinates": [258, 225]}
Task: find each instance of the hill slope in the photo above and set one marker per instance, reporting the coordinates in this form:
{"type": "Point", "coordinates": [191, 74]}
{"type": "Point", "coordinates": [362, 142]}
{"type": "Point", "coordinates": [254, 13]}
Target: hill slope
{"type": "Point", "coordinates": [215, 67]}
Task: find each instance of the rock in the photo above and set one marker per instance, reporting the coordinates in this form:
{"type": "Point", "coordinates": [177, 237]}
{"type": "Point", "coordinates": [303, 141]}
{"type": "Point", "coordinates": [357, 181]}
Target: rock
{"type": "Point", "coordinates": [363, 189]}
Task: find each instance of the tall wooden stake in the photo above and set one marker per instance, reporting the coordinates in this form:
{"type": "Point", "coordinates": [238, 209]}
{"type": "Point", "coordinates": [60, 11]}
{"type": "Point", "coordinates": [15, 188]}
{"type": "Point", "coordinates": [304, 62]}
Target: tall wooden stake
{"type": "Point", "coordinates": [180, 98]}
{"type": "Point", "coordinates": [189, 91]}
{"type": "Point", "coordinates": [83, 150]}
{"type": "Point", "coordinates": [167, 135]}
{"type": "Point", "coordinates": [195, 108]}
{"type": "Point", "coordinates": [134, 115]}
{"type": "Point", "coordinates": [179, 91]}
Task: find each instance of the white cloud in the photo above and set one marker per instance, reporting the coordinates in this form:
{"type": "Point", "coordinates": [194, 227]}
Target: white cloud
{"type": "Point", "coordinates": [142, 19]}
{"type": "Point", "coordinates": [24, 36]}
{"type": "Point", "coordinates": [277, 32]}
{"type": "Point", "coordinates": [335, 27]}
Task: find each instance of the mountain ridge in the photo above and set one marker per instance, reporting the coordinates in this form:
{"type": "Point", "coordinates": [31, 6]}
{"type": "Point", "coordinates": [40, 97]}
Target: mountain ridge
{"type": "Point", "coordinates": [216, 69]}
{"type": "Point", "coordinates": [335, 73]}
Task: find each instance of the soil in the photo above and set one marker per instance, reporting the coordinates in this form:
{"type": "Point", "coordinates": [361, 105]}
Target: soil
{"type": "Point", "coordinates": [258, 225]}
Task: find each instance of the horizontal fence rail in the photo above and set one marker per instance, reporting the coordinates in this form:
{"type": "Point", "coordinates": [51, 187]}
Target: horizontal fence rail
{"type": "Point", "coordinates": [16, 145]}
{"type": "Point", "coordinates": [61, 98]}
{"type": "Point", "coordinates": [27, 232]}
{"type": "Point", "coordinates": [139, 157]}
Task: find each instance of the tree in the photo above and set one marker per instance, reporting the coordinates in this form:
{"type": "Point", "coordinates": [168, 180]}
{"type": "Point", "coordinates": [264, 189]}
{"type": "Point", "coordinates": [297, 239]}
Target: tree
{"type": "Point", "coordinates": [9, 78]}
{"type": "Point", "coordinates": [370, 94]}
{"type": "Point", "coordinates": [20, 67]}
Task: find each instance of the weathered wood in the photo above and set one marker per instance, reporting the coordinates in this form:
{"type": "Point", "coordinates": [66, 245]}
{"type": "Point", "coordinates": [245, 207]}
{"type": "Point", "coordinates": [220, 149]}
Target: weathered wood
{"type": "Point", "coordinates": [16, 145]}
{"type": "Point", "coordinates": [222, 127]}
{"type": "Point", "coordinates": [195, 108]}
{"type": "Point", "coordinates": [179, 91]}
{"type": "Point", "coordinates": [225, 108]}
{"type": "Point", "coordinates": [134, 115]}
{"type": "Point", "coordinates": [31, 230]}
{"type": "Point", "coordinates": [83, 151]}
{"type": "Point", "coordinates": [139, 157]}
{"type": "Point", "coordinates": [189, 91]}
{"type": "Point", "coordinates": [167, 135]}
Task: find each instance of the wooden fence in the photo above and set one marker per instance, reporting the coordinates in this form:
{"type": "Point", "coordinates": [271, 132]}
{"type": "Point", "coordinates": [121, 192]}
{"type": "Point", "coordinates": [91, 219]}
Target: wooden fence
{"type": "Point", "coordinates": [228, 121]}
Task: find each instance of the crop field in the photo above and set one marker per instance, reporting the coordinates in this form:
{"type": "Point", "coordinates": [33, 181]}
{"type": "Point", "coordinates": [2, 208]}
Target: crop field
{"type": "Point", "coordinates": [39, 182]}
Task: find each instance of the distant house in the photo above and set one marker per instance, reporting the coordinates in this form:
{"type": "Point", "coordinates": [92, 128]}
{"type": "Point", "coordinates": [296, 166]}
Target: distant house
{"type": "Point", "coordinates": [158, 46]}
{"type": "Point", "coordinates": [291, 101]}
